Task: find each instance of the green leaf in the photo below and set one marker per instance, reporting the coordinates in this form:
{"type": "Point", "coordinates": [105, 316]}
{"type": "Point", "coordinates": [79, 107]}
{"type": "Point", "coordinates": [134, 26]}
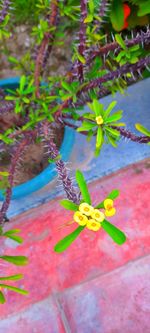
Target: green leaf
{"type": "Point", "coordinates": [22, 82]}
{"type": "Point", "coordinates": [4, 173]}
{"type": "Point", "coordinates": [112, 141]}
{"type": "Point", "coordinates": [117, 15]}
{"type": "Point", "coordinates": [64, 243]}
{"type": "Point", "coordinates": [144, 8]}
{"type": "Point", "coordinates": [17, 290]}
{"type": "Point", "coordinates": [2, 298]}
{"type": "Point", "coordinates": [81, 58]}
{"type": "Point", "coordinates": [142, 129]}
{"type": "Point", "coordinates": [113, 194]}
{"type": "Point", "coordinates": [66, 86]}
{"type": "Point", "coordinates": [117, 235]}
{"type": "Point", "coordinates": [86, 126]}
{"type": "Point", "coordinates": [112, 131]}
{"type": "Point", "coordinates": [83, 186]}
{"type": "Point", "coordinates": [69, 205]}
{"type": "Point", "coordinates": [16, 238]}
{"type": "Point", "coordinates": [89, 18]}
{"type": "Point", "coordinates": [120, 41]}
{"type": "Point", "coordinates": [12, 277]}
{"type": "Point", "coordinates": [13, 60]}
{"type": "Point", "coordinates": [109, 109]}
{"type": "Point", "coordinates": [11, 232]}
{"type": "Point", "coordinates": [97, 107]}
{"type": "Point", "coordinates": [116, 116]}
{"type": "Point", "coordinates": [99, 137]}
{"type": "Point", "coordinates": [16, 260]}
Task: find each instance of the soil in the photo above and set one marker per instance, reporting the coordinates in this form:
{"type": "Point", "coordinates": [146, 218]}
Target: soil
{"type": "Point", "coordinates": [34, 159]}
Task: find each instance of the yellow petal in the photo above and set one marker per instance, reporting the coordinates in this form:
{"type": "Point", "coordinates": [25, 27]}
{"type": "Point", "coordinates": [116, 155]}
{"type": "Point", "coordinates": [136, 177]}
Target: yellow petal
{"type": "Point", "coordinates": [86, 209]}
{"type": "Point", "coordinates": [93, 225]}
{"type": "Point", "coordinates": [110, 212]}
{"type": "Point", "coordinates": [108, 203]}
{"type": "Point", "coordinates": [98, 215]}
{"type": "Point", "coordinates": [99, 120]}
{"type": "Point", "coordinates": [80, 218]}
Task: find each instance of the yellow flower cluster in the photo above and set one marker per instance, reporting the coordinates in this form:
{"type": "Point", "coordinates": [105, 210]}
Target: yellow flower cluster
{"type": "Point", "coordinates": [92, 218]}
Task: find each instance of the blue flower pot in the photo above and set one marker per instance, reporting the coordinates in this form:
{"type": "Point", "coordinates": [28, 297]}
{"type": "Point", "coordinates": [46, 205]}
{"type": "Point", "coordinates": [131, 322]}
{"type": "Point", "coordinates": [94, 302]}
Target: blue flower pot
{"type": "Point", "coordinates": [49, 173]}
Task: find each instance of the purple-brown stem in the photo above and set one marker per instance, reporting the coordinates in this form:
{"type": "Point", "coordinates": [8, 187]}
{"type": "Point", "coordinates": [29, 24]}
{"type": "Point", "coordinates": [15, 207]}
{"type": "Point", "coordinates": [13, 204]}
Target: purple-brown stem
{"type": "Point", "coordinates": [19, 149]}
{"type": "Point", "coordinates": [82, 38]}
{"type": "Point", "coordinates": [47, 40]}
{"type": "Point", "coordinates": [5, 9]}
{"type": "Point", "coordinates": [53, 153]}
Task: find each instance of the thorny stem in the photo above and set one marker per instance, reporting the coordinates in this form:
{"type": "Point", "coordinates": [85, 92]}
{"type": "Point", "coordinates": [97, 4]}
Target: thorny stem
{"type": "Point", "coordinates": [4, 11]}
{"type": "Point", "coordinates": [19, 149]}
{"type": "Point", "coordinates": [82, 38]}
{"type": "Point", "coordinates": [53, 152]}
{"type": "Point", "coordinates": [127, 68]}
{"type": "Point", "coordinates": [47, 40]}
{"type": "Point", "coordinates": [124, 133]}
{"type": "Point", "coordinates": [141, 38]}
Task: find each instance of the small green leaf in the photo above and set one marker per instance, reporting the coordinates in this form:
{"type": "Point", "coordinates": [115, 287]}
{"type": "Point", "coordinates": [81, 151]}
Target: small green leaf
{"type": "Point", "coordinates": [99, 137]}
{"type": "Point", "coordinates": [12, 277]}
{"type": "Point", "coordinates": [109, 109]}
{"type": "Point", "coordinates": [16, 260]}
{"type": "Point", "coordinates": [89, 18]}
{"type": "Point", "coordinates": [117, 235]}
{"type": "Point", "coordinates": [117, 15]}
{"type": "Point", "coordinates": [83, 186]}
{"type": "Point", "coordinates": [22, 82]}
{"type": "Point", "coordinates": [17, 290]}
{"type": "Point", "coordinates": [81, 58]}
{"type": "Point", "coordinates": [113, 194]}
{"type": "Point", "coordinates": [2, 298]}
{"type": "Point", "coordinates": [142, 129]}
{"type": "Point", "coordinates": [4, 173]}
{"type": "Point", "coordinates": [64, 243]}
{"type": "Point", "coordinates": [120, 41]}
{"type": "Point", "coordinates": [112, 131]}
{"type": "Point", "coordinates": [116, 116]}
{"type": "Point", "coordinates": [97, 107]}
{"type": "Point", "coordinates": [16, 238]}
{"type": "Point", "coordinates": [69, 205]}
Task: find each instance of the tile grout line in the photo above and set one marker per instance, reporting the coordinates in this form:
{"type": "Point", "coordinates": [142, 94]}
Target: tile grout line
{"type": "Point", "coordinates": [62, 314]}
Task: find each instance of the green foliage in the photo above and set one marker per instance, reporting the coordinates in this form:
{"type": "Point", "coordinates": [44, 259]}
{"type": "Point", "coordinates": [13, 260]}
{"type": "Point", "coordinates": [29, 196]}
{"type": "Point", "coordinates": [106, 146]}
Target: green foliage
{"type": "Point", "coordinates": [100, 123]}
{"type": "Point", "coordinates": [16, 260]}
{"type": "Point", "coordinates": [117, 235]}
{"type": "Point", "coordinates": [117, 15]}
{"type": "Point", "coordinates": [130, 55]}
{"type": "Point", "coordinates": [69, 205]}
{"type": "Point", "coordinates": [142, 129]}
{"type": "Point", "coordinates": [83, 186]}
{"type": "Point", "coordinates": [3, 32]}
{"type": "Point", "coordinates": [62, 245]}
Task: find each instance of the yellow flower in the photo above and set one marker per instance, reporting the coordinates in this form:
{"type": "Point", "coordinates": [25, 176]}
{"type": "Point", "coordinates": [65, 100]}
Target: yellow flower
{"type": "Point", "coordinates": [93, 225]}
{"type": "Point", "coordinates": [99, 120]}
{"type": "Point", "coordinates": [109, 209]}
{"type": "Point", "coordinates": [98, 215]}
{"type": "Point", "coordinates": [80, 218]}
{"type": "Point", "coordinates": [86, 209]}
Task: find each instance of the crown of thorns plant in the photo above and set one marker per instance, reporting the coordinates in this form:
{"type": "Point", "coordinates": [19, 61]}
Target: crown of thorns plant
{"type": "Point", "coordinates": [101, 63]}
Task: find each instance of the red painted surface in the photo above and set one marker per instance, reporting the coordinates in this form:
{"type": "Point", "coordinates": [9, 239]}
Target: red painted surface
{"type": "Point", "coordinates": [91, 256]}
{"type": "Point", "coordinates": [112, 303]}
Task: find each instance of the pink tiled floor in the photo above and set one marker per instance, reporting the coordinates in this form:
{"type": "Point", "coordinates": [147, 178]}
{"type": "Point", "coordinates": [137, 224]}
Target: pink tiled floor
{"type": "Point", "coordinates": [95, 286]}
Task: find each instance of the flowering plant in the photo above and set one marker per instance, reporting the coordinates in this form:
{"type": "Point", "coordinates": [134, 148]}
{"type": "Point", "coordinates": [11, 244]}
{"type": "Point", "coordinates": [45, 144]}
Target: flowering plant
{"type": "Point", "coordinates": [102, 62]}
